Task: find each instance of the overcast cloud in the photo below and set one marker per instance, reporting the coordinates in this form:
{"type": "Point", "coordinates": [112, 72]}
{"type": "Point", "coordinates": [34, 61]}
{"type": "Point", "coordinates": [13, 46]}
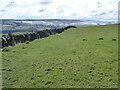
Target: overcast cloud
{"type": "Point", "coordinates": [59, 9]}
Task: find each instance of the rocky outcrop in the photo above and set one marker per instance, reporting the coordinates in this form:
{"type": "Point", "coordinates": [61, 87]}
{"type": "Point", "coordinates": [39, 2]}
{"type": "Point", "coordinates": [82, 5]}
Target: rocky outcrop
{"type": "Point", "coordinates": [12, 40]}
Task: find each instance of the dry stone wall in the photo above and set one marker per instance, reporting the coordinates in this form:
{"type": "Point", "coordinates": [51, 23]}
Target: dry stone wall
{"type": "Point", "coordinates": [12, 39]}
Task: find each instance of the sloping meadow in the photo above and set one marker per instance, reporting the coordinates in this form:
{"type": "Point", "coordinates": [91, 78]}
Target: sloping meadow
{"type": "Point", "coordinates": [85, 57]}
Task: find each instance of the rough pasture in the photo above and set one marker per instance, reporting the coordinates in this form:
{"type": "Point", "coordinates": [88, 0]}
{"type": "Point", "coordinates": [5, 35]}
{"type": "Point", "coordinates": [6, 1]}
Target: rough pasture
{"type": "Point", "coordinates": [65, 60]}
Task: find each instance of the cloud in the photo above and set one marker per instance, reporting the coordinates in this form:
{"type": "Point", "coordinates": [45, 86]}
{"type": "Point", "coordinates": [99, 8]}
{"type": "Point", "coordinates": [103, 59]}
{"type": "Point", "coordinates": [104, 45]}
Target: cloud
{"type": "Point", "coordinates": [11, 4]}
{"type": "Point", "coordinates": [46, 2]}
{"type": "Point", "coordinates": [3, 11]}
{"type": "Point", "coordinates": [59, 9]}
{"type": "Point", "coordinates": [42, 10]}
{"type": "Point", "coordinates": [99, 5]}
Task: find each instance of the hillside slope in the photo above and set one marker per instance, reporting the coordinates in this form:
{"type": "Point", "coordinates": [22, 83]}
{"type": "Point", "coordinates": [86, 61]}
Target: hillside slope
{"type": "Point", "coordinates": [75, 58]}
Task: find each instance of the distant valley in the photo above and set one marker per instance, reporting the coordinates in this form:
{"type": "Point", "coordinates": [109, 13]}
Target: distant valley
{"type": "Point", "coordinates": [31, 25]}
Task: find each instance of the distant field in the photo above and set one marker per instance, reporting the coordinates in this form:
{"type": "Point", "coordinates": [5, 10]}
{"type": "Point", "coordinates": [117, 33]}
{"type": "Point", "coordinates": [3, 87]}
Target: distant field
{"type": "Point", "coordinates": [20, 29]}
{"type": "Point", "coordinates": [65, 60]}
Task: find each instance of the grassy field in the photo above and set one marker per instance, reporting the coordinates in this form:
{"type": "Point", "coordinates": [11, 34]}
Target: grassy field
{"type": "Point", "coordinates": [65, 60]}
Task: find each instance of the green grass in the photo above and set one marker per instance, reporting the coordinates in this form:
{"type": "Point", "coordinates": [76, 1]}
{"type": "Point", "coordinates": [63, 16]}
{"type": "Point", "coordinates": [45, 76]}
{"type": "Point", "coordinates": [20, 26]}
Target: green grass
{"type": "Point", "coordinates": [65, 60]}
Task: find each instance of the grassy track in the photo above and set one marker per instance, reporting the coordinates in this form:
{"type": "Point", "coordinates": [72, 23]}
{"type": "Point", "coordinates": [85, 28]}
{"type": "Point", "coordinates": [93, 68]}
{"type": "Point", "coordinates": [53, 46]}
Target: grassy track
{"type": "Point", "coordinates": [65, 60]}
